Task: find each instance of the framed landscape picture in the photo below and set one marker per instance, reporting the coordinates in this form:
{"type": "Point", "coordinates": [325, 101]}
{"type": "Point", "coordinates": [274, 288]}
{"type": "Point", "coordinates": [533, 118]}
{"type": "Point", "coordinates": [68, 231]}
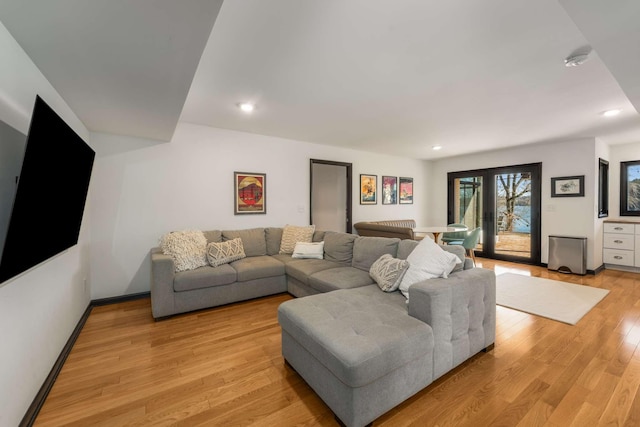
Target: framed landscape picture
{"type": "Point", "coordinates": [406, 191]}
{"type": "Point", "coordinates": [389, 190]}
{"type": "Point", "coordinates": [368, 189]}
{"type": "Point", "coordinates": [250, 190]}
{"type": "Point", "coordinates": [567, 186]}
{"type": "Point", "coordinates": [630, 188]}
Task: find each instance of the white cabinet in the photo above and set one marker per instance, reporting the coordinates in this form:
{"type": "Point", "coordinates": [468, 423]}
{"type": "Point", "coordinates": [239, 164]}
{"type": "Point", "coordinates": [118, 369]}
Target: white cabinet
{"type": "Point", "coordinates": [621, 245]}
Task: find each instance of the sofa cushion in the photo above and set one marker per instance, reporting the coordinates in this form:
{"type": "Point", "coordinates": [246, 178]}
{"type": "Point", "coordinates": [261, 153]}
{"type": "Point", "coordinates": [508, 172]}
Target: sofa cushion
{"type": "Point", "coordinates": [366, 250]}
{"type": "Point", "coordinates": [273, 236]}
{"type": "Point", "coordinates": [427, 261]}
{"type": "Point", "coordinates": [204, 277]}
{"type": "Point", "coordinates": [292, 234]}
{"type": "Point", "coordinates": [283, 258]}
{"type": "Point", "coordinates": [213, 236]}
{"type": "Point", "coordinates": [253, 240]}
{"type": "Point", "coordinates": [257, 268]}
{"type": "Point", "coordinates": [318, 236]}
{"type": "Point", "coordinates": [405, 247]}
{"type": "Point", "coordinates": [388, 271]}
{"type": "Point", "coordinates": [338, 247]}
{"type": "Point", "coordinates": [359, 334]}
{"type": "Point", "coordinates": [225, 252]}
{"type": "Point", "coordinates": [460, 252]}
{"type": "Point", "coordinates": [339, 278]}
{"type": "Point", "coordinates": [301, 269]}
{"type": "Point", "coordinates": [187, 248]}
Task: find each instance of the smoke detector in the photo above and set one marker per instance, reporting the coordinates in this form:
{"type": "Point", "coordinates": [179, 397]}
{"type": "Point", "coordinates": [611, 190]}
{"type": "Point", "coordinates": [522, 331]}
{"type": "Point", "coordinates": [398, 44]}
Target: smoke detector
{"type": "Point", "coordinates": [575, 60]}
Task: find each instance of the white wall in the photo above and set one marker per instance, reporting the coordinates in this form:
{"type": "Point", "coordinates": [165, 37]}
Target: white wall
{"type": "Point", "coordinates": [602, 151]}
{"type": "Point", "coordinates": [40, 309]}
{"type": "Point", "coordinates": [572, 216]}
{"type": "Point", "coordinates": [141, 194]}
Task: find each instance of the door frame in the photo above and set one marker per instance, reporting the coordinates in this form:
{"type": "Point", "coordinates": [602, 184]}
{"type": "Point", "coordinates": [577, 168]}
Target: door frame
{"type": "Point", "coordinates": [349, 189]}
{"type": "Point", "coordinates": [488, 206]}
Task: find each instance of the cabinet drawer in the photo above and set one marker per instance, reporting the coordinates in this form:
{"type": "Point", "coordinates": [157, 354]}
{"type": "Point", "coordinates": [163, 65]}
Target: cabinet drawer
{"type": "Point", "coordinates": [619, 241]}
{"type": "Point", "coordinates": [614, 256]}
{"type": "Point", "coordinates": [618, 227]}
{"type": "Point", "coordinates": [637, 229]}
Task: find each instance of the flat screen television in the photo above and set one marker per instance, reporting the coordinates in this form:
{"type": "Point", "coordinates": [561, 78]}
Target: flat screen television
{"type": "Point", "coordinates": [50, 195]}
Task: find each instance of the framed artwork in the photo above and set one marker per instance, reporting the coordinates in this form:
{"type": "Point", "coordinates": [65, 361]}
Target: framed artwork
{"type": "Point", "coordinates": [389, 190]}
{"type": "Point", "coordinates": [368, 189]}
{"type": "Point", "coordinates": [630, 188]}
{"type": "Point", "coordinates": [406, 191]}
{"type": "Point", "coordinates": [250, 193]}
{"type": "Point", "coordinates": [567, 186]}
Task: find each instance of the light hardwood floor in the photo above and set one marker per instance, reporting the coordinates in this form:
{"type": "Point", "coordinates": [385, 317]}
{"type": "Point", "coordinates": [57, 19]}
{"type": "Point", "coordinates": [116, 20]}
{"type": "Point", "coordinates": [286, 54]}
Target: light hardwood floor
{"type": "Point", "coordinates": [222, 367]}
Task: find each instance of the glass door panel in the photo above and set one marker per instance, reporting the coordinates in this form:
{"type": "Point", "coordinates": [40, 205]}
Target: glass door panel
{"type": "Point", "coordinates": [513, 214]}
{"type": "Point", "coordinates": [468, 205]}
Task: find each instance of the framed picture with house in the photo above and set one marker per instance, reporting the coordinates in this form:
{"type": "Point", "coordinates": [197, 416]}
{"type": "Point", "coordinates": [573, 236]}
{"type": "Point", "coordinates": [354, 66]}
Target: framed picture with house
{"type": "Point", "coordinates": [250, 193]}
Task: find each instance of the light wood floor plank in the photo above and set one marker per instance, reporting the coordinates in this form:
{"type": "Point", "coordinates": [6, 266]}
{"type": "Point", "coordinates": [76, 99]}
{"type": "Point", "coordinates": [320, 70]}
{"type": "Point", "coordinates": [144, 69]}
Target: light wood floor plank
{"type": "Point", "coordinates": [223, 366]}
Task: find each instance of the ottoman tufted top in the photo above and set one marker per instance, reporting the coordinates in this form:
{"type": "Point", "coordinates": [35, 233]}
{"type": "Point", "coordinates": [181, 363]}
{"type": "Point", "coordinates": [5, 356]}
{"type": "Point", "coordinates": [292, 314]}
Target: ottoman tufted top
{"type": "Point", "coordinates": [358, 334]}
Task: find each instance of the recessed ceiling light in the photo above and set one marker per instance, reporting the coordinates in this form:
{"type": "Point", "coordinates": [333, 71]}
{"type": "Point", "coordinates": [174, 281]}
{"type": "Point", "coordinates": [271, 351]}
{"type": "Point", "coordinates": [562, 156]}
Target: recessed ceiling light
{"type": "Point", "coordinates": [247, 107]}
{"type": "Point", "coordinates": [611, 113]}
{"type": "Point", "coordinates": [436, 147]}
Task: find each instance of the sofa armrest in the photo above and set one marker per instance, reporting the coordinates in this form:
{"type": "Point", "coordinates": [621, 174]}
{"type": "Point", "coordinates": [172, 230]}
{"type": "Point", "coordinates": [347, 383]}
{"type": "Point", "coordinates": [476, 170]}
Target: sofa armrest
{"type": "Point", "coordinates": [162, 275]}
{"type": "Point", "coordinates": [461, 310]}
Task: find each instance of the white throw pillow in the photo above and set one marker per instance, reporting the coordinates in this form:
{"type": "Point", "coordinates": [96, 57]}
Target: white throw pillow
{"type": "Point", "coordinates": [427, 261]}
{"type": "Point", "coordinates": [388, 271]}
{"type": "Point", "coordinates": [292, 234]}
{"type": "Point", "coordinates": [225, 252]}
{"type": "Point", "coordinates": [309, 250]}
{"type": "Point", "coordinates": [188, 249]}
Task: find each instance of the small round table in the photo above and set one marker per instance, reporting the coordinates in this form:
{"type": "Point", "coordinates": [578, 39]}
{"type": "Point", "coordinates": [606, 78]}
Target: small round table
{"type": "Point", "coordinates": [436, 230]}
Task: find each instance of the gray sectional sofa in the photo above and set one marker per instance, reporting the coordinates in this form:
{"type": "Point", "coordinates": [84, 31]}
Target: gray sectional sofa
{"type": "Point", "coordinates": [362, 350]}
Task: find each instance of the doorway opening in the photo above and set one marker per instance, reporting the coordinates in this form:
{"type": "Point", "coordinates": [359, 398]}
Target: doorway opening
{"type": "Point", "coordinates": [330, 194]}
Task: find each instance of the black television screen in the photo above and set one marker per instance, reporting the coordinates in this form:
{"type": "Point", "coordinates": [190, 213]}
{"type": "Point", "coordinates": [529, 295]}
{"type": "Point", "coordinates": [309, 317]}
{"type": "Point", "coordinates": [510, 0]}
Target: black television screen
{"type": "Point", "coordinates": [50, 196]}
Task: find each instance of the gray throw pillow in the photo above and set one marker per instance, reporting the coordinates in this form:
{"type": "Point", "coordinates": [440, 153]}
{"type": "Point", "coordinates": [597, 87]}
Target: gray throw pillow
{"type": "Point", "coordinates": [388, 271]}
{"type": "Point", "coordinates": [225, 252]}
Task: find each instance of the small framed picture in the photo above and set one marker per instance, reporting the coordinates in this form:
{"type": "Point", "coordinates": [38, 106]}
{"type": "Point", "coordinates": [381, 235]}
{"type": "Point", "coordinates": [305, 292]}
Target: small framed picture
{"type": "Point", "coordinates": [567, 186]}
{"type": "Point", "coordinates": [368, 189]}
{"type": "Point", "coordinates": [250, 193]}
{"type": "Point", "coordinates": [389, 190]}
{"type": "Point", "coordinates": [406, 191]}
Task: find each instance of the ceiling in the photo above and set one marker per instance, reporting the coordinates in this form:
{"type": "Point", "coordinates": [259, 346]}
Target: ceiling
{"type": "Point", "coordinates": [395, 77]}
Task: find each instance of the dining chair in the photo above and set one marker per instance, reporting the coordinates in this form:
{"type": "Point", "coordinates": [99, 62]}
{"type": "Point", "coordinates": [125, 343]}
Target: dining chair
{"type": "Point", "coordinates": [454, 236]}
{"type": "Point", "coordinates": [470, 242]}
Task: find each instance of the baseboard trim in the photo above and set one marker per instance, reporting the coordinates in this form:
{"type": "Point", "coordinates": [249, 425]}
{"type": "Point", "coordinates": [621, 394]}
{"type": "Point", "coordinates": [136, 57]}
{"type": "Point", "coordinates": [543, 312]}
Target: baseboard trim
{"type": "Point", "coordinates": [122, 298]}
{"type": "Point", "coordinates": [32, 413]}
{"type": "Point", "coordinates": [34, 409]}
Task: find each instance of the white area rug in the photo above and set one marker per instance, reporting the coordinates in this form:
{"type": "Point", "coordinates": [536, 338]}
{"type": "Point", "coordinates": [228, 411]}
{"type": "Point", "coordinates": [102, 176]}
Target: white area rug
{"type": "Point", "coordinates": [555, 300]}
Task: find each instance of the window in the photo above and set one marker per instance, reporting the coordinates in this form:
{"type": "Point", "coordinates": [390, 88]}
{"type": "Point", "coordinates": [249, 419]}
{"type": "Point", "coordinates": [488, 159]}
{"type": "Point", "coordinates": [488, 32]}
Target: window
{"type": "Point", "coordinates": [603, 188]}
{"type": "Point", "coordinates": [630, 188]}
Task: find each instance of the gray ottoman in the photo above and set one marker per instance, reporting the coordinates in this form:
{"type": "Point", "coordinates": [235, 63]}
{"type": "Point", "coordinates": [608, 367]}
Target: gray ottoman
{"type": "Point", "coordinates": [358, 349]}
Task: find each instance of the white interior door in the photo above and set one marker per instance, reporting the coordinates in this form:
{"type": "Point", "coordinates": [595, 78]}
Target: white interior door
{"type": "Point", "coordinates": [329, 197]}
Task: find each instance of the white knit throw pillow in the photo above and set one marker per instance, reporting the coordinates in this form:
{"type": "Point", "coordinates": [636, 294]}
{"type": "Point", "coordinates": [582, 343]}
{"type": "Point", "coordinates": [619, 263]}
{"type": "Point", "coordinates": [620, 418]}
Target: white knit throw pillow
{"type": "Point", "coordinates": [188, 249]}
{"type": "Point", "coordinates": [292, 234]}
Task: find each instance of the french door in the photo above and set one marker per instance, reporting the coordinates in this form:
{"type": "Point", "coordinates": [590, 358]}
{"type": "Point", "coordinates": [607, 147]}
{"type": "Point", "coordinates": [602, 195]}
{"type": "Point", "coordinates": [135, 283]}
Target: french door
{"type": "Point", "coordinates": [505, 203]}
